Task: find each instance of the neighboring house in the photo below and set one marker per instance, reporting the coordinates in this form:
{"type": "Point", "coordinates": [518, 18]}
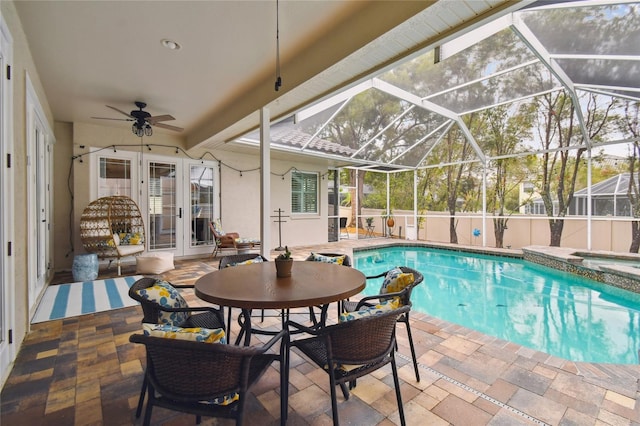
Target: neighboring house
{"type": "Point", "coordinates": [608, 198]}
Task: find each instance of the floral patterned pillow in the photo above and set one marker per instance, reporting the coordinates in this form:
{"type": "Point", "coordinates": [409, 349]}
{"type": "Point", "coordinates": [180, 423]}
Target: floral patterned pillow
{"type": "Point", "coordinates": [217, 225]}
{"type": "Point", "coordinates": [395, 281]}
{"type": "Point", "coordinates": [166, 295]}
{"type": "Point", "coordinates": [327, 259]}
{"type": "Point", "coordinates": [196, 334]}
{"type": "Point", "coordinates": [128, 238]}
{"type": "Point", "coordinates": [384, 306]}
{"type": "Point", "coordinates": [257, 259]}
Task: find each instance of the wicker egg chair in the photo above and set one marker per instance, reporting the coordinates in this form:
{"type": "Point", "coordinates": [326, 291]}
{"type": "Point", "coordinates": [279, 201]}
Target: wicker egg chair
{"type": "Point", "coordinates": [112, 227]}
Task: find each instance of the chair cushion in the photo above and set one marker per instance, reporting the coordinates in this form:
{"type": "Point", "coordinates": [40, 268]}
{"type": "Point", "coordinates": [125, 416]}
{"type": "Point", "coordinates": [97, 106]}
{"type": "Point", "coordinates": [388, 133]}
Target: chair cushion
{"type": "Point", "coordinates": [217, 226]}
{"type": "Point", "coordinates": [395, 281]}
{"type": "Point", "coordinates": [198, 334]}
{"type": "Point", "coordinates": [166, 295]}
{"type": "Point", "coordinates": [129, 238]}
{"type": "Point", "coordinates": [257, 259]}
{"type": "Point", "coordinates": [384, 306]}
{"type": "Point", "coordinates": [129, 250]}
{"type": "Point", "coordinates": [327, 259]}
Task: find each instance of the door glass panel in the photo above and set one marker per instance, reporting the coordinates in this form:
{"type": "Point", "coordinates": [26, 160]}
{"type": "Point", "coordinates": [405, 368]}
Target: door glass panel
{"type": "Point", "coordinates": [201, 184]}
{"type": "Point", "coordinates": [162, 205]}
{"type": "Point", "coordinates": [41, 196]}
{"type": "Point", "coordinates": [115, 177]}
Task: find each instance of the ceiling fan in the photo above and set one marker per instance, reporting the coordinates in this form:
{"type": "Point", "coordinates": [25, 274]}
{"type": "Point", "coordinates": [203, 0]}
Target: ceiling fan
{"type": "Point", "coordinates": [142, 120]}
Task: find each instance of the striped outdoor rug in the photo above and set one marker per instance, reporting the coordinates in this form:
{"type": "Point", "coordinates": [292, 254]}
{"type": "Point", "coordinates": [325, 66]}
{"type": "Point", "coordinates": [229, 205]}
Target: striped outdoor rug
{"type": "Point", "coordinates": [68, 300]}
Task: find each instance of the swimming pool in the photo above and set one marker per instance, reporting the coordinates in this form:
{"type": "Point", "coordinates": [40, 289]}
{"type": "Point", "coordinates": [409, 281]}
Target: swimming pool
{"type": "Point", "coordinates": [556, 312]}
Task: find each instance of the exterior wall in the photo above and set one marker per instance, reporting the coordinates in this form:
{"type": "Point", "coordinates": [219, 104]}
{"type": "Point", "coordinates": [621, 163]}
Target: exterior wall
{"type": "Point", "coordinates": [606, 234]}
{"type": "Point", "coordinates": [240, 201]}
{"type": "Point", "coordinates": [21, 66]}
{"type": "Point", "coordinates": [62, 208]}
{"type": "Point", "coordinates": [239, 192]}
{"type": "Point", "coordinates": [92, 136]}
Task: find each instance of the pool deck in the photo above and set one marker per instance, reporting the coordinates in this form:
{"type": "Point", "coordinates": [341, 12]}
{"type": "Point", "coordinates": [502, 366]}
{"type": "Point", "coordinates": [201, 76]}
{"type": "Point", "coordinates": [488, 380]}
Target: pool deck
{"type": "Point", "coordinates": [83, 371]}
{"type": "Point", "coordinates": [474, 372]}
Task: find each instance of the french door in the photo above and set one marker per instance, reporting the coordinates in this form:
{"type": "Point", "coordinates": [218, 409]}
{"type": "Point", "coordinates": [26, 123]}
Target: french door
{"type": "Point", "coordinates": [39, 142]}
{"type": "Point", "coordinates": [178, 201]}
{"type": "Point", "coordinates": [202, 206]}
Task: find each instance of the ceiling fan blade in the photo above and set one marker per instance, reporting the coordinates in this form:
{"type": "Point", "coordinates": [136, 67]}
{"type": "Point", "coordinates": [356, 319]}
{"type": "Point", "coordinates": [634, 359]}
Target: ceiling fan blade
{"type": "Point", "coordinates": [168, 127]}
{"type": "Point", "coordinates": [155, 119]}
{"type": "Point", "coordinates": [120, 111]}
{"type": "Point", "coordinates": [116, 119]}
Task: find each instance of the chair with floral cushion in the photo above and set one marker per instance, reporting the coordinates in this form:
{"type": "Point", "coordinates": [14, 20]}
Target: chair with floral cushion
{"type": "Point", "coordinates": [236, 260]}
{"type": "Point", "coordinates": [162, 303]}
{"type": "Point", "coordinates": [338, 258]}
{"type": "Point", "coordinates": [188, 370]}
{"type": "Point", "coordinates": [353, 348]}
{"type": "Point", "coordinates": [398, 284]}
{"type": "Point", "coordinates": [223, 240]}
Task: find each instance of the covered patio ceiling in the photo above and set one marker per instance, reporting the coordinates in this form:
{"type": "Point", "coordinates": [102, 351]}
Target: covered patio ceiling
{"type": "Point", "coordinates": [394, 120]}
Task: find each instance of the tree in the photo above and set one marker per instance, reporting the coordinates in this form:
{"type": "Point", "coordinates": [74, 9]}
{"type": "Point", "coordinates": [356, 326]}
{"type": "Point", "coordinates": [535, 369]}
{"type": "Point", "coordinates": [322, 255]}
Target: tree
{"type": "Point", "coordinates": [630, 123]}
{"type": "Point", "coordinates": [506, 126]}
{"type": "Point", "coordinates": [564, 146]}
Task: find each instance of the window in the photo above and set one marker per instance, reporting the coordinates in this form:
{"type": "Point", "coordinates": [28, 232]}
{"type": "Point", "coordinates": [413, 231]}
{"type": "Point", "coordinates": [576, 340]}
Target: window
{"type": "Point", "coordinates": [304, 192]}
{"type": "Point", "coordinates": [115, 177]}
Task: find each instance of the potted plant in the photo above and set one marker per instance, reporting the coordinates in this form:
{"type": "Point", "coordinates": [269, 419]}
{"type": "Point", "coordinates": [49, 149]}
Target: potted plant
{"type": "Point", "coordinates": [369, 221]}
{"type": "Point", "coordinates": [284, 262]}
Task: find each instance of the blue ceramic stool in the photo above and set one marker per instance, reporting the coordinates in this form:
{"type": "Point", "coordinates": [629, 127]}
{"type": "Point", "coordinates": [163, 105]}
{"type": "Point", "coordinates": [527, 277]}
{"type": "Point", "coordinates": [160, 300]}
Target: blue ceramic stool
{"type": "Point", "coordinates": [85, 267]}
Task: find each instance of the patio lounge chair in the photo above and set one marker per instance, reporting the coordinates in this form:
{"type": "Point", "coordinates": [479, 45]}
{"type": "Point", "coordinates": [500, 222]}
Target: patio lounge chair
{"type": "Point", "coordinates": [223, 240]}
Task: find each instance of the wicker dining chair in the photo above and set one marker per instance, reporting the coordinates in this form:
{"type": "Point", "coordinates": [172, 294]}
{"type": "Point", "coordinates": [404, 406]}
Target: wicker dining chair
{"type": "Point", "coordinates": [405, 298]}
{"type": "Point", "coordinates": [312, 258]}
{"type": "Point", "coordinates": [365, 345]}
{"type": "Point", "coordinates": [188, 376]}
{"type": "Point", "coordinates": [206, 317]}
{"type": "Point", "coordinates": [233, 260]}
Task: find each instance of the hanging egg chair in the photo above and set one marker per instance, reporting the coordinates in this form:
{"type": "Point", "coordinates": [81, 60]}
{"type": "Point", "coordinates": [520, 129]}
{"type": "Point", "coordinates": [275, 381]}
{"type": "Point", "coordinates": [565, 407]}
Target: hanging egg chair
{"type": "Point", "coordinates": [112, 227]}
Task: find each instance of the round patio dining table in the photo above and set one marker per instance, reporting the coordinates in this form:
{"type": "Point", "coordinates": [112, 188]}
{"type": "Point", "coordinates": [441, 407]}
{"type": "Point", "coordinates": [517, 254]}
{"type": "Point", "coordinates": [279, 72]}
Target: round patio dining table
{"type": "Point", "coordinates": [256, 286]}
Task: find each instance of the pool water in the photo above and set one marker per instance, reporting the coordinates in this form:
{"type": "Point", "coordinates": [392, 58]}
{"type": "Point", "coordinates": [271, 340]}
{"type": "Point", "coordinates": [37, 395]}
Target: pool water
{"type": "Point", "coordinates": [559, 313]}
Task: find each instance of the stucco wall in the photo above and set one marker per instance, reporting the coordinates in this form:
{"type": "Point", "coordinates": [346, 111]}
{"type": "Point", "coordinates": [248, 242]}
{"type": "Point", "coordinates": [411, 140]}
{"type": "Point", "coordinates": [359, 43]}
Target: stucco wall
{"type": "Point", "coordinates": [22, 64]}
{"type": "Point", "coordinates": [239, 192]}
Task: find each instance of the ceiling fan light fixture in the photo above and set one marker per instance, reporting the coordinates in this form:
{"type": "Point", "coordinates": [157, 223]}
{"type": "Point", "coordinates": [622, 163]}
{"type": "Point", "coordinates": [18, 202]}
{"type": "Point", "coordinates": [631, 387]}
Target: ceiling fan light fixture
{"type": "Point", "coordinates": [170, 44]}
{"type": "Point", "coordinates": [137, 130]}
{"type": "Point", "coordinates": [147, 130]}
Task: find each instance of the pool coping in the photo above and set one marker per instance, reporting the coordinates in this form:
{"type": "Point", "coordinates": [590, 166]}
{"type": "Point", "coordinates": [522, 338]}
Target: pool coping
{"type": "Point", "coordinates": [516, 254]}
{"type": "Point", "coordinates": [570, 260]}
{"type": "Point", "coordinates": [560, 258]}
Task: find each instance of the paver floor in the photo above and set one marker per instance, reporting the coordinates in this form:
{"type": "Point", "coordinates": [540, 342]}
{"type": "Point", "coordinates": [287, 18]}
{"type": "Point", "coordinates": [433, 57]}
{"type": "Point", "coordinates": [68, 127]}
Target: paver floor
{"type": "Point", "coordinates": [84, 371]}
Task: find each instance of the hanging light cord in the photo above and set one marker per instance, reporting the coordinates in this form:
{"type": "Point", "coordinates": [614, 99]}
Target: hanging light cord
{"type": "Point", "coordinates": [278, 78]}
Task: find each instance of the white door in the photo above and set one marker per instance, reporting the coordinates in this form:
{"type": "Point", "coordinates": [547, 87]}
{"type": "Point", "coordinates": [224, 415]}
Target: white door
{"type": "Point", "coordinates": [177, 197]}
{"type": "Point", "coordinates": [42, 208]}
{"type": "Point", "coordinates": [162, 190]}
{"type": "Point", "coordinates": [201, 205]}
{"type": "Point", "coordinates": [7, 350]}
{"type": "Point", "coordinates": [39, 139]}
